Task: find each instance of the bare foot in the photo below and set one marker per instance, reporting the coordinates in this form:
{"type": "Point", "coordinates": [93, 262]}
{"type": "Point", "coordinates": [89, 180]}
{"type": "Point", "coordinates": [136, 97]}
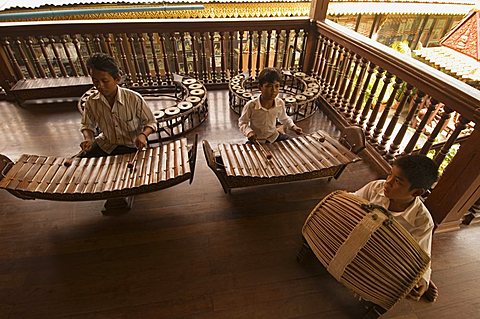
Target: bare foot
{"type": "Point", "coordinates": [432, 292]}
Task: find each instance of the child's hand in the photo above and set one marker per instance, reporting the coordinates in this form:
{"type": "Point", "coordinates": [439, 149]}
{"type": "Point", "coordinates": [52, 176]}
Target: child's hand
{"type": "Point", "coordinates": [297, 130]}
{"type": "Point", "coordinates": [86, 145]}
{"type": "Point", "coordinates": [252, 136]}
{"type": "Point", "coordinates": [141, 141]}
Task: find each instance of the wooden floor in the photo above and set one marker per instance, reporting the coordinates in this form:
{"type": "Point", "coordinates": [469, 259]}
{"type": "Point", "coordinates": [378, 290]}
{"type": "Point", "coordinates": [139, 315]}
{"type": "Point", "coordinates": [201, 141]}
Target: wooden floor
{"type": "Point", "coordinates": [189, 251]}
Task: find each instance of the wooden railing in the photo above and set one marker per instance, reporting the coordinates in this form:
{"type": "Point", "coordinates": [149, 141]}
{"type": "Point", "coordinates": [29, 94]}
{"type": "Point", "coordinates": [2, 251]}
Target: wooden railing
{"type": "Point", "coordinates": [150, 52]}
{"type": "Point", "coordinates": [403, 105]}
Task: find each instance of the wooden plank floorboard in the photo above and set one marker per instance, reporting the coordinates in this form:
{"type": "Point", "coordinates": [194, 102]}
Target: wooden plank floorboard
{"type": "Point", "coordinates": [189, 251]}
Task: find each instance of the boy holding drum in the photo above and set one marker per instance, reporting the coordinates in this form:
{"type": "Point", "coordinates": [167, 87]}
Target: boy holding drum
{"type": "Point", "coordinates": [400, 193]}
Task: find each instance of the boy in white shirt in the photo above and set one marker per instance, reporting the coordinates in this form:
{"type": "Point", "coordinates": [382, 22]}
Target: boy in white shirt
{"type": "Point", "coordinates": [410, 177]}
{"type": "Point", "coordinates": [259, 116]}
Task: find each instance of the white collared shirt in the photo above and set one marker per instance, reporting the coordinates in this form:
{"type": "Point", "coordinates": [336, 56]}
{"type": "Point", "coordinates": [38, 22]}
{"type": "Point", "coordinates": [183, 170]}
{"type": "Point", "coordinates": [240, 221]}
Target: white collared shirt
{"type": "Point", "coordinates": [263, 121]}
{"type": "Point", "coordinates": [120, 124]}
{"type": "Point", "coordinates": [416, 218]}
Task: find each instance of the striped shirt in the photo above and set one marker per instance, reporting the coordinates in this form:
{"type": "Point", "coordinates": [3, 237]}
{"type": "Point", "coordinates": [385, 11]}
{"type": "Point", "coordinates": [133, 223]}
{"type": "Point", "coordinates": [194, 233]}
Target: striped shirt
{"type": "Point", "coordinates": [263, 121]}
{"type": "Point", "coordinates": [120, 124]}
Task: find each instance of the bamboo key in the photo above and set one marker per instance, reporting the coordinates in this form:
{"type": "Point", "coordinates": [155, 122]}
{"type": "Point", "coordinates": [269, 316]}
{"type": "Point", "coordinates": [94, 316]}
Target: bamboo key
{"type": "Point", "coordinates": [132, 163]}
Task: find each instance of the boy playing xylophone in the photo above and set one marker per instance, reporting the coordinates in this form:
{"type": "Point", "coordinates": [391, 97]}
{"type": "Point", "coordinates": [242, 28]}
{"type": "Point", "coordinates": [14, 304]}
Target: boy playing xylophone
{"type": "Point", "coordinates": [259, 116]}
{"type": "Point", "coordinates": [410, 177]}
{"type": "Point", "coordinates": [123, 117]}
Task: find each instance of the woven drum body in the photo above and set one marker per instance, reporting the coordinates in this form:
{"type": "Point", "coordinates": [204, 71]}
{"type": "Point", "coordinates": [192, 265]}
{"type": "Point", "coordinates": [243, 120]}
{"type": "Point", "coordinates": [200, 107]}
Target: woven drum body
{"type": "Point", "coordinates": [364, 248]}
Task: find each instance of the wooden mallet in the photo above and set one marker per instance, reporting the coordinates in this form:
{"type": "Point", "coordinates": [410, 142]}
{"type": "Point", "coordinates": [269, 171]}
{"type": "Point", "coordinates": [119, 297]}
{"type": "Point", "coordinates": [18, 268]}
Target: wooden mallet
{"type": "Point", "coordinates": [131, 164]}
{"type": "Point", "coordinates": [268, 155]}
{"type": "Point", "coordinates": [69, 161]}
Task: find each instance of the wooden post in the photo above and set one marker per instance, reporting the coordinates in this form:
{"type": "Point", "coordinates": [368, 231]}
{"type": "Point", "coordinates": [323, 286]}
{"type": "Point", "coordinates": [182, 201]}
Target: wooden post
{"type": "Point", "coordinates": [458, 188]}
{"type": "Point", "coordinates": [318, 10]}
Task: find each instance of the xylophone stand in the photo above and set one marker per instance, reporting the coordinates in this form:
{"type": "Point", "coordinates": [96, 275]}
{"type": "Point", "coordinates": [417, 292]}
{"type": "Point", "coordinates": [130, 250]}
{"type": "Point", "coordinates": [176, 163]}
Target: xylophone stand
{"type": "Point", "coordinates": [118, 205]}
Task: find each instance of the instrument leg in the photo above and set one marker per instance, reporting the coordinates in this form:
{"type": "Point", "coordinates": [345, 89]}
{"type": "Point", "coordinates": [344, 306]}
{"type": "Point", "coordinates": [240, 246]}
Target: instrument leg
{"type": "Point", "coordinates": [116, 206]}
{"type": "Point", "coordinates": [374, 311]}
{"type": "Point", "coordinates": [304, 251]}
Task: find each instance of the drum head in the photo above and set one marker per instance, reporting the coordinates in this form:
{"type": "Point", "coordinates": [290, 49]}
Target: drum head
{"type": "Point", "coordinates": [158, 114]}
{"type": "Point", "coordinates": [300, 97]}
{"type": "Point", "coordinates": [184, 105]}
{"type": "Point", "coordinates": [236, 87]}
{"type": "Point", "coordinates": [313, 85]}
{"type": "Point", "coordinates": [197, 92]}
{"type": "Point", "coordinates": [309, 94]}
{"type": "Point", "coordinates": [189, 81]}
{"type": "Point", "coordinates": [240, 91]}
{"type": "Point", "coordinates": [193, 99]}
{"type": "Point", "coordinates": [248, 95]}
{"type": "Point", "coordinates": [173, 110]}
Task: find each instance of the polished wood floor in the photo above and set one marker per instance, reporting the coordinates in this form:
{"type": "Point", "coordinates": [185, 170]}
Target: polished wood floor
{"type": "Point", "coordinates": [189, 251]}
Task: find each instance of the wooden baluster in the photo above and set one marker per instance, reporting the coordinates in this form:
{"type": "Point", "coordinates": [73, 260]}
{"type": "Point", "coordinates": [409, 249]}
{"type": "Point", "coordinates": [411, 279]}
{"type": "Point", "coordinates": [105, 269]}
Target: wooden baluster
{"type": "Point", "coordinates": [391, 99]}
{"type": "Point", "coordinates": [184, 54]}
{"type": "Point", "coordinates": [372, 120]}
{"type": "Point", "coordinates": [267, 49]}
{"type": "Point", "coordinates": [461, 124]}
{"type": "Point", "coordinates": [153, 51]}
{"type": "Point", "coordinates": [277, 47]}
{"type": "Point", "coordinates": [286, 43]}
{"type": "Point", "coordinates": [371, 96]}
{"type": "Point", "coordinates": [250, 52]}
{"type": "Point", "coordinates": [108, 44]}
{"type": "Point", "coordinates": [240, 52]}
{"type": "Point", "coordinates": [203, 52]}
{"type": "Point", "coordinates": [337, 71]}
{"type": "Point", "coordinates": [301, 65]}
{"type": "Point", "coordinates": [46, 57]}
{"type": "Point", "coordinates": [86, 40]}
{"type": "Point", "coordinates": [57, 57]}
{"type": "Point", "coordinates": [123, 56]}
{"type": "Point", "coordinates": [213, 74]}
{"type": "Point", "coordinates": [439, 127]}
{"type": "Point", "coordinates": [326, 65]}
{"type": "Point", "coordinates": [392, 151]}
{"type": "Point", "coordinates": [194, 53]}
{"type": "Point", "coordinates": [294, 51]}
{"type": "Point", "coordinates": [431, 103]}
{"type": "Point", "coordinates": [138, 78]}
{"type": "Point", "coordinates": [36, 62]}
{"type": "Point", "coordinates": [394, 120]}
{"type": "Point", "coordinates": [173, 40]}
{"type": "Point", "coordinates": [97, 45]}
{"type": "Point", "coordinates": [69, 58]}
{"type": "Point", "coordinates": [231, 51]}
{"type": "Point", "coordinates": [259, 53]}
{"type": "Point", "coordinates": [143, 49]}
{"type": "Point", "coordinates": [165, 58]}
{"type": "Point", "coordinates": [315, 64]}
{"type": "Point", "coordinates": [354, 97]}
{"type": "Point", "coordinates": [24, 58]}
{"type": "Point", "coordinates": [223, 59]}
{"type": "Point", "coordinates": [76, 45]}
{"type": "Point", "coordinates": [349, 78]}
{"type": "Point", "coordinates": [363, 92]}
{"type": "Point", "coordinates": [13, 60]}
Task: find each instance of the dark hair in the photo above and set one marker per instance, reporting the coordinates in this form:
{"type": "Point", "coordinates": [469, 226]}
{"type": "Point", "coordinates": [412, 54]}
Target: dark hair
{"type": "Point", "coordinates": [104, 62]}
{"type": "Point", "coordinates": [420, 171]}
{"type": "Point", "coordinates": [269, 75]}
